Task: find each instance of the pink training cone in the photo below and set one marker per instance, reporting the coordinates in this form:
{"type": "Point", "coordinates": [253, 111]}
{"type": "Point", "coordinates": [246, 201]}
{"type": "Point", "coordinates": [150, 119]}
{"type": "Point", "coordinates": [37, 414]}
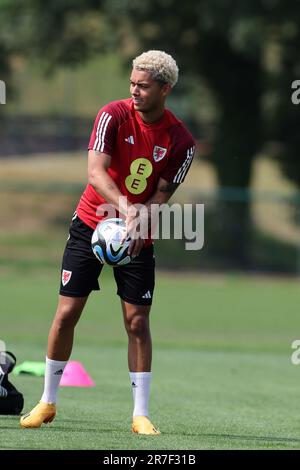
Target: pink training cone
{"type": "Point", "coordinates": [76, 376]}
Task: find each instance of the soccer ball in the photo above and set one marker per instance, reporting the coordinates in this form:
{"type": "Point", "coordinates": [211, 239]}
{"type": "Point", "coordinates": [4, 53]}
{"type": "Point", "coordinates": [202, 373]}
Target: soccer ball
{"type": "Point", "coordinates": [106, 242]}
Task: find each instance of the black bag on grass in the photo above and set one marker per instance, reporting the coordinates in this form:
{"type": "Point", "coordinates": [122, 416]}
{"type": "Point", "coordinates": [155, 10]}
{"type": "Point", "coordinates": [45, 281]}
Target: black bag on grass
{"type": "Point", "coordinates": [11, 400]}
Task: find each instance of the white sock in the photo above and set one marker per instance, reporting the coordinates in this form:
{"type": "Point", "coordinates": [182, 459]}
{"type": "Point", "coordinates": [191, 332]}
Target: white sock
{"type": "Point", "coordinates": [53, 373]}
{"type": "Point", "coordinates": [140, 382]}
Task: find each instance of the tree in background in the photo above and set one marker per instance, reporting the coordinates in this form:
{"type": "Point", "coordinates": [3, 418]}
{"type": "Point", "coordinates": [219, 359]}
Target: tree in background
{"type": "Point", "coordinates": [286, 116]}
{"type": "Point", "coordinates": [248, 55]}
{"type": "Point", "coordinates": [6, 42]}
{"type": "Point", "coordinates": [222, 43]}
{"type": "Point", "coordinates": [225, 43]}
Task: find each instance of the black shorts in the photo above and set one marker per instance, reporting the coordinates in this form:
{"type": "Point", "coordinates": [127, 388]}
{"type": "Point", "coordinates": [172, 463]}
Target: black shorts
{"type": "Point", "coordinates": [81, 269]}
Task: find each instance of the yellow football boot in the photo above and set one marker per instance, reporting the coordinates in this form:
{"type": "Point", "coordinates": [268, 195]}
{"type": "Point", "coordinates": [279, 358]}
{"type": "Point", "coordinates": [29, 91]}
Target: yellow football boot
{"type": "Point", "coordinates": [143, 425]}
{"type": "Point", "coordinates": [41, 413]}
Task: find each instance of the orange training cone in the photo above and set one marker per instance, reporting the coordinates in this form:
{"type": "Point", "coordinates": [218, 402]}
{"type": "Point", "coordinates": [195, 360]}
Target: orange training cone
{"type": "Point", "coordinates": [76, 376]}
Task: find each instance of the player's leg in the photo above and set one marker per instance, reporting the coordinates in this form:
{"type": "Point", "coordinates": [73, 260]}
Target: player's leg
{"type": "Point", "coordinates": [60, 343]}
{"type": "Point", "coordinates": [136, 321]}
{"type": "Point", "coordinates": [80, 271]}
{"type": "Point", "coordinates": [61, 335]}
{"type": "Point", "coordinates": [135, 287]}
{"type": "Point", "coordinates": [59, 349]}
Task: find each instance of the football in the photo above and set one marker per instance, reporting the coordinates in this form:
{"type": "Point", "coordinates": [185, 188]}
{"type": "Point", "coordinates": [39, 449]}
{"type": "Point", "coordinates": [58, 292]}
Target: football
{"type": "Point", "coordinates": [106, 242]}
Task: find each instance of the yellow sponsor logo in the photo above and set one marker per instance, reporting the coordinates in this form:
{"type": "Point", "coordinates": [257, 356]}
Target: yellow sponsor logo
{"type": "Point", "coordinates": [140, 170]}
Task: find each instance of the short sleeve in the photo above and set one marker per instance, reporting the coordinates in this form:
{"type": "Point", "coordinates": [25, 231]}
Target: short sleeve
{"type": "Point", "coordinates": [179, 162]}
{"type": "Point", "coordinates": [104, 131]}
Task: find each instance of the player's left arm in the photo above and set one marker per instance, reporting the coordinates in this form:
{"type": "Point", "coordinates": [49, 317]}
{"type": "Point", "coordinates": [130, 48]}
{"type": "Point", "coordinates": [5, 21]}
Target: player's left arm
{"type": "Point", "coordinates": [164, 190]}
{"type": "Point", "coordinates": [162, 194]}
{"type": "Point", "coordinates": [172, 176]}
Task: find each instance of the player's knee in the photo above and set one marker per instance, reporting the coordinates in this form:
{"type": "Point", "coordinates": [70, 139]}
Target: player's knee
{"type": "Point", "coordinates": [65, 318]}
{"type": "Point", "coordinates": [138, 326]}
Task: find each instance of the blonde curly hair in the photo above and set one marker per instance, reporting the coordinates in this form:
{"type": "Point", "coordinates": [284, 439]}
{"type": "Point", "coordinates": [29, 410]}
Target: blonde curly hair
{"type": "Point", "coordinates": [161, 65]}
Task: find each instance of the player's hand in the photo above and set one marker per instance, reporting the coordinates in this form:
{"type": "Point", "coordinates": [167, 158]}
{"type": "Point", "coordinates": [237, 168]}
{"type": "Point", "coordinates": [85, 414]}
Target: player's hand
{"type": "Point", "coordinates": [132, 226]}
{"type": "Point", "coordinates": [135, 247]}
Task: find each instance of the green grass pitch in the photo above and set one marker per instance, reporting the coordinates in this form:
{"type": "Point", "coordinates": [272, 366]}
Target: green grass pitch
{"type": "Point", "coordinates": [222, 373]}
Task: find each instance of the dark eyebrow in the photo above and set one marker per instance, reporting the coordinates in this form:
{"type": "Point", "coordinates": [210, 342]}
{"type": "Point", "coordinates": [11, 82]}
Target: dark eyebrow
{"type": "Point", "coordinates": [139, 83]}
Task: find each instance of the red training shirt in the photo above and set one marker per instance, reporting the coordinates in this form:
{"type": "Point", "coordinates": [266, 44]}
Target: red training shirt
{"type": "Point", "coordinates": [140, 153]}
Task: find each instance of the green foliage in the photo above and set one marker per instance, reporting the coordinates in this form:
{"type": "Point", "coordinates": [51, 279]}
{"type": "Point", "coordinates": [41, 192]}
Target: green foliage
{"type": "Point", "coordinates": [227, 44]}
{"type": "Point", "coordinates": [224, 45]}
{"type": "Point", "coordinates": [63, 33]}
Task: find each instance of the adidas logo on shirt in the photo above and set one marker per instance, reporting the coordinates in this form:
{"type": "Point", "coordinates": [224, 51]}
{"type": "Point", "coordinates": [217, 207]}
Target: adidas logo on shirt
{"type": "Point", "coordinates": [130, 140]}
{"type": "Point", "coordinates": [147, 295]}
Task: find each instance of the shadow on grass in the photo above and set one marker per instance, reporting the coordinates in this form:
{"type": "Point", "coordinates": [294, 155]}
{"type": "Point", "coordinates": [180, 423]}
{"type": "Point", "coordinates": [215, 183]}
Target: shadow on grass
{"type": "Point", "coordinates": [232, 436]}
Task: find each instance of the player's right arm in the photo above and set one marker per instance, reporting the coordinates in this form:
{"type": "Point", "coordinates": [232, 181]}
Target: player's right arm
{"type": "Point", "coordinates": [101, 146]}
{"type": "Point", "coordinates": [102, 141]}
{"type": "Point", "coordinates": [99, 178]}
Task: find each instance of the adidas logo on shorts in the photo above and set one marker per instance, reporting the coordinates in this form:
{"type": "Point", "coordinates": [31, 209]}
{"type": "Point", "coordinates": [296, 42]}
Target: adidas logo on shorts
{"type": "Point", "coordinates": [147, 295]}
